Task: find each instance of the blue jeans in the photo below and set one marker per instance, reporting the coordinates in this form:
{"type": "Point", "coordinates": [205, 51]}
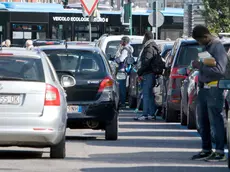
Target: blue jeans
{"type": "Point", "coordinates": [209, 112]}
{"type": "Point", "coordinates": [122, 91]}
{"type": "Point", "coordinates": [149, 106]}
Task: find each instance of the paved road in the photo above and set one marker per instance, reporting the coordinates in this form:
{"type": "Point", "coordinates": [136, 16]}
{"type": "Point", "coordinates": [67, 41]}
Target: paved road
{"type": "Point", "coordinates": [142, 147]}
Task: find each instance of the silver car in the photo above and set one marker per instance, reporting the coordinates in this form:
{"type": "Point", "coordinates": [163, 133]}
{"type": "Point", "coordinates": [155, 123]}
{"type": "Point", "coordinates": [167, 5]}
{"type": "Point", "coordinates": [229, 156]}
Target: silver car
{"type": "Point", "coordinates": [33, 108]}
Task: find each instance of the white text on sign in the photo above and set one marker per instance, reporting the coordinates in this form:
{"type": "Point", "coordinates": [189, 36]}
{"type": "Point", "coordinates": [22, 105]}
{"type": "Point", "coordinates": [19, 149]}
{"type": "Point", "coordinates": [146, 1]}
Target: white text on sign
{"type": "Point", "coordinates": [80, 19]}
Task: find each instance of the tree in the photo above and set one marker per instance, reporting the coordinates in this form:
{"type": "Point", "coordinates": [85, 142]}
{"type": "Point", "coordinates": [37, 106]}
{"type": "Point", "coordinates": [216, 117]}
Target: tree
{"type": "Point", "coordinates": [217, 15]}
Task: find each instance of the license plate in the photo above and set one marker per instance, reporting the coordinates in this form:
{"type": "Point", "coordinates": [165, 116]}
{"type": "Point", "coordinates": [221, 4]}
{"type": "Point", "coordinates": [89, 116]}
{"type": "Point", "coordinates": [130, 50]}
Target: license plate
{"type": "Point", "coordinates": [9, 99]}
{"type": "Point", "coordinates": [74, 109]}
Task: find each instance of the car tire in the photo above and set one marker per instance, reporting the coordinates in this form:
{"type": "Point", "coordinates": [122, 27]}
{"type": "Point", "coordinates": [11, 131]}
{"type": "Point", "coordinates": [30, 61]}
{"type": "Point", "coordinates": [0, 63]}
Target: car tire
{"type": "Point", "coordinates": [228, 147]}
{"type": "Point", "coordinates": [171, 115]}
{"type": "Point", "coordinates": [191, 119]}
{"type": "Point", "coordinates": [132, 102]}
{"type": "Point", "coordinates": [111, 129]}
{"type": "Point", "coordinates": [183, 117]}
{"type": "Point", "coordinates": [58, 151]}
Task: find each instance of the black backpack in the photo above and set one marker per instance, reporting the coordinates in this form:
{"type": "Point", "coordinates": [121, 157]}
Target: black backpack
{"type": "Point", "coordinates": [227, 72]}
{"type": "Point", "coordinates": [157, 64]}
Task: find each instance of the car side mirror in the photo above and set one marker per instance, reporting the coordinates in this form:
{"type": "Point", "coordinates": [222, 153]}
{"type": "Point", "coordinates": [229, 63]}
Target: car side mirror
{"type": "Point", "coordinates": [224, 84]}
{"type": "Point", "coordinates": [182, 71]}
{"type": "Point", "coordinates": [67, 81]}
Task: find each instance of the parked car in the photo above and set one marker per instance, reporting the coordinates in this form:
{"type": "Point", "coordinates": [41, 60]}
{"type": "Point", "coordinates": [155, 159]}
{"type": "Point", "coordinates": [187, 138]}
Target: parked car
{"type": "Point", "coordinates": [93, 100]}
{"type": "Point", "coordinates": [81, 43]}
{"type": "Point", "coordinates": [33, 107]}
{"type": "Point", "coordinates": [109, 43]}
{"type": "Point", "coordinates": [40, 42]}
{"type": "Point", "coordinates": [183, 52]}
{"type": "Point", "coordinates": [188, 98]}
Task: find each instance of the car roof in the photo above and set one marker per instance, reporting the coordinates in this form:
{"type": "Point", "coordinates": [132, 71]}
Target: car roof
{"type": "Point", "coordinates": [22, 52]}
{"type": "Point", "coordinates": [75, 47]}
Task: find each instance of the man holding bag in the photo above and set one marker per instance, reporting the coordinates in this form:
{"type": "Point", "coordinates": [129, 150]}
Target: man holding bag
{"type": "Point", "coordinates": [210, 98]}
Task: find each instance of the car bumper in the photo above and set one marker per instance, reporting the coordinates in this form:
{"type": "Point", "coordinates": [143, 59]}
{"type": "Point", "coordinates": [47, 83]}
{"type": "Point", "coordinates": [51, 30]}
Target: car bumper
{"type": "Point", "coordinates": [41, 131]}
{"type": "Point", "coordinates": [100, 112]}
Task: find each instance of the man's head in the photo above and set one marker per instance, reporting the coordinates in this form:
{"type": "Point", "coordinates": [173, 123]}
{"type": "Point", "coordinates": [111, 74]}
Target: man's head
{"type": "Point", "coordinates": [8, 43]}
{"type": "Point", "coordinates": [148, 35]}
{"type": "Point", "coordinates": [125, 40]}
{"type": "Point", "coordinates": [202, 35]}
{"type": "Point", "coordinates": [29, 43]}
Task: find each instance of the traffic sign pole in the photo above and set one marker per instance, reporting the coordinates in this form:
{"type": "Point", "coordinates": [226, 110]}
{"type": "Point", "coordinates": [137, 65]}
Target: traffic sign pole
{"type": "Point", "coordinates": [156, 20]}
{"type": "Point", "coordinates": [89, 7]}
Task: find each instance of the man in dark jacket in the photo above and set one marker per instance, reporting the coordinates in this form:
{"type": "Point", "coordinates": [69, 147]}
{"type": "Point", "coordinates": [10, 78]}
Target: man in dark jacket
{"type": "Point", "coordinates": [210, 98]}
{"type": "Point", "coordinates": [149, 51]}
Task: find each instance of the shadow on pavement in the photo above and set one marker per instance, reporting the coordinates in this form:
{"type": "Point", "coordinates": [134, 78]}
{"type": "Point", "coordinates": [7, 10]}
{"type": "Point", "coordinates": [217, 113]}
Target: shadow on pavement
{"type": "Point", "coordinates": [17, 154]}
{"type": "Point", "coordinates": [152, 133]}
{"type": "Point", "coordinates": [155, 169]}
{"type": "Point", "coordinates": [72, 138]}
{"type": "Point", "coordinates": [143, 142]}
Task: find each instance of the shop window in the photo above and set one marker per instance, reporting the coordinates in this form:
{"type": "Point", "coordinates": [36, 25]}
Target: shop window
{"type": "Point", "coordinates": [23, 32]}
{"type": "Point", "coordinates": [57, 32]}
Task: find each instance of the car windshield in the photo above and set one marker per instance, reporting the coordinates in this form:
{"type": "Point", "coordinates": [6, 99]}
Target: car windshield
{"type": "Point", "coordinates": [187, 53]}
{"type": "Point", "coordinates": [82, 63]}
{"type": "Point", "coordinates": [19, 68]}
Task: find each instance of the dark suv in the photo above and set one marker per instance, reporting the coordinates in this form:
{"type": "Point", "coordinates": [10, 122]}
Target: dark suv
{"type": "Point", "coordinates": [183, 52]}
{"type": "Point", "coordinates": [93, 100]}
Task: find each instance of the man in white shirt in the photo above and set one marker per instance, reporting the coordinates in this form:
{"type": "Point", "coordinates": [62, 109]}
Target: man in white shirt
{"type": "Point", "coordinates": [125, 50]}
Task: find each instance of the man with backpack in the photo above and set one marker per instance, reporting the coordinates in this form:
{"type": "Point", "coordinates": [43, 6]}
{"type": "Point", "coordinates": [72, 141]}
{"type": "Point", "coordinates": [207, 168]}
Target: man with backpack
{"type": "Point", "coordinates": [125, 50]}
{"type": "Point", "coordinates": [149, 66]}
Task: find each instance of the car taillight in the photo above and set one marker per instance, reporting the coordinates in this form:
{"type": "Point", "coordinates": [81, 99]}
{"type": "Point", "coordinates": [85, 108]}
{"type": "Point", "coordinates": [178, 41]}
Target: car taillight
{"type": "Point", "coordinates": [49, 43]}
{"type": "Point", "coordinates": [175, 74]}
{"type": "Point", "coordinates": [52, 97]}
{"type": "Point", "coordinates": [196, 79]}
{"type": "Point", "coordinates": [6, 54]}
{"type": "Point", "coordinates": [105, 83]}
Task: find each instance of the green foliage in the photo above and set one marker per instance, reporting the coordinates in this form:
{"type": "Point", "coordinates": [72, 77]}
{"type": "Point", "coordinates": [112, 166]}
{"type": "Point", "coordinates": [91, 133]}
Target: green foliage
{"type": "Point", "coordinates": [217, 15]}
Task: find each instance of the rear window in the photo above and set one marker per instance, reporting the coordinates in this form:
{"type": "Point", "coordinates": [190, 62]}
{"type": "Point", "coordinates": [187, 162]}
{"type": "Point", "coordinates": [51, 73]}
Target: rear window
{"type": "Point", "coordinates": [81, 63]}
{"type": "Point", "coordinates": [112, 48]}
{"type": "Point", "coordinates": [19, 68]}
{"type": "Point", "coordinates": [137, 49]}
{"type": "Point", "coordinates": [187, 53]}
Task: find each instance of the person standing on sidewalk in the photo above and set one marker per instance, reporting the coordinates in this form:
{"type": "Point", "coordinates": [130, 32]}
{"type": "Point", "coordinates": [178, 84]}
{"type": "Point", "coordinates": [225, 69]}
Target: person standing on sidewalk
{"type": "Point", "coordinates": [210, 98]}
{"type": "Point", "coordinates": [148, 53]}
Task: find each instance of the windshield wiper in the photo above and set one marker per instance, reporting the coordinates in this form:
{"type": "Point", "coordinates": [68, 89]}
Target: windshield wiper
{"type": "Point", "coordinates": [11, 78]}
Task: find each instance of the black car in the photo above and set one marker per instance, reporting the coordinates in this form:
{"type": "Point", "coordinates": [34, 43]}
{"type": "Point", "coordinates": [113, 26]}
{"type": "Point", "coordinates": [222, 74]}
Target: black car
{"type": "Point", "coordinates": [93, 100]}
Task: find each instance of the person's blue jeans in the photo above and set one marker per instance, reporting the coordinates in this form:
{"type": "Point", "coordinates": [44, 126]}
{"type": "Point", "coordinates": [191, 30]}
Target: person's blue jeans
{"type": "Point", "coordinates": [149, 106]}
{"type": "Point", "coordinates": [209, 112]}
{"type": "Point", "coordinates": [122, 91]}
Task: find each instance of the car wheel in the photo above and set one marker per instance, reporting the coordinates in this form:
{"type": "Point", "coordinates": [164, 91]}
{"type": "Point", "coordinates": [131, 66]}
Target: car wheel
{"type": "Point", "coordinates": [228, 144]}
{"type": "Point", "coordinates": [183, 117]}
{"type": "Point", "coordinates": [132, 102]}
{"type": "Point", "coordinates": [191, 119]}
{"type": "Point", "coordinates": [171, 115]}
{"type": "Point", "coordinates": [58, 151]}
{"type": "Point", "coordinates": [111, 129]}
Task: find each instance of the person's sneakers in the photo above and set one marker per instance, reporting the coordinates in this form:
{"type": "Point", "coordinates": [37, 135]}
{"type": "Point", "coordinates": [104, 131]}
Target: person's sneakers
{"type": "Point", "coordinates": [152, 117]}
{"type": "Point", "coordinates": [216, 157]}
{"type": "Point", "coordinates": [202, 155]}
{"type": "Point", "coordinates": [141, 118]}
